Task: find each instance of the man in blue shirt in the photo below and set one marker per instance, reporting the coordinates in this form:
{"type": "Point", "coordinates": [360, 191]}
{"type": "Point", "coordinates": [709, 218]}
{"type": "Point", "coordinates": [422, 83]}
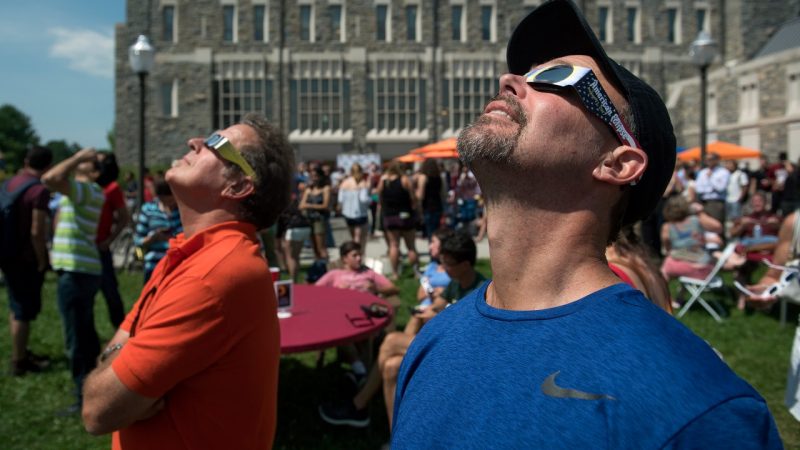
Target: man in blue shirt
{"type": "Point", "coordinates": [555, 352]}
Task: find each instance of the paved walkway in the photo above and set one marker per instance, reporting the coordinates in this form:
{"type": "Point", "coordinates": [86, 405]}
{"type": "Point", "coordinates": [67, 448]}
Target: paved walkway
{"type": "Point", "coordinates": [377, 248]}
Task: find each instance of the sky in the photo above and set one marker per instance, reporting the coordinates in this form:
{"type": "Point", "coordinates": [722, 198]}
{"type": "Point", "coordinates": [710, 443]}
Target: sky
{"type": "Point", "coordinates": [58, 66]}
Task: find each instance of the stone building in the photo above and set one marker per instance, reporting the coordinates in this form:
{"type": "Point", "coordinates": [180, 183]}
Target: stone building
{"type": "Point", "coordinates": [753, 101]}
{"type": "Point", "coordinates": [379, 76]}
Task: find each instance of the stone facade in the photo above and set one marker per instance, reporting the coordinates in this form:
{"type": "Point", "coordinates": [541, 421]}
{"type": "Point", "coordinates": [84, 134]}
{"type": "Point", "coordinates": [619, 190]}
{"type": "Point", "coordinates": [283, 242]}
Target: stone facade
{"type": "Point", "coordinates": [205, 68]}
{"type": "Point", "coordinates": [775, 125]}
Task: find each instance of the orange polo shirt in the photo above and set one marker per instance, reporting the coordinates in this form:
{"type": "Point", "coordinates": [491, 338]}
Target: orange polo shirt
{"type": "Point", "coordinates": [207, 340]}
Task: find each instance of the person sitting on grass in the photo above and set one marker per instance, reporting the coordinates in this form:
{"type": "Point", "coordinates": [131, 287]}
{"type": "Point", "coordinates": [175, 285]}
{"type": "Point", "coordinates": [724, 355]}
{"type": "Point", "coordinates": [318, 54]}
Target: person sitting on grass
{"type": "Point", "coordinates": [458, 253]}
{"type": "Point", "coordinates": [354, 275]}
{"type": "Point", "coordinates": [434, 278]}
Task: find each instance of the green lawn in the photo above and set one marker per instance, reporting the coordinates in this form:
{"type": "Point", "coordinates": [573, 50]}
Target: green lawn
{"type": "Point", "coordinates": [753, 345]}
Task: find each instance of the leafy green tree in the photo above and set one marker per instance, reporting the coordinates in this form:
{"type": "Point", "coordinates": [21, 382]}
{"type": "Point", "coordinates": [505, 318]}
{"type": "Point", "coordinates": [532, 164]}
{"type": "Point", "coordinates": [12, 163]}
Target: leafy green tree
{"type": "Point", "coordinates": [111, 140]}
{"type": "Point", "coordinates": [16, 134]}
{"type": "Point", "coordinates": [61, 149]}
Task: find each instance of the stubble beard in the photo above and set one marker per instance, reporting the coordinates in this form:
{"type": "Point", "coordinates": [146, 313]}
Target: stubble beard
{"type": "Point", "coordinates": [486, 140]}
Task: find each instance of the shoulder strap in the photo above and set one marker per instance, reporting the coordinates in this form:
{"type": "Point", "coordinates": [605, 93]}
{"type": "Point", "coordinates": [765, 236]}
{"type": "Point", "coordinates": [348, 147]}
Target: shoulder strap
{"type": "Point", "coordinates": [9, 198]}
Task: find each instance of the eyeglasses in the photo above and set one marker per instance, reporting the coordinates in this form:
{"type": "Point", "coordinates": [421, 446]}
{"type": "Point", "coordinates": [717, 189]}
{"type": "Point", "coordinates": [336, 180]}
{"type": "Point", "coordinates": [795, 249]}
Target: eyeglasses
{"type": "Point", "coordinates": [591, 93]}
{"type": "Point", "coordinates": [228, 152]}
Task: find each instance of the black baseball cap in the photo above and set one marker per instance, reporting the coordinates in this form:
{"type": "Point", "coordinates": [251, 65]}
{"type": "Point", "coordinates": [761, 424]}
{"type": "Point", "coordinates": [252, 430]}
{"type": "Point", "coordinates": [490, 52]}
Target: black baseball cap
{"type": "Point", "coordinates": [557, 28]}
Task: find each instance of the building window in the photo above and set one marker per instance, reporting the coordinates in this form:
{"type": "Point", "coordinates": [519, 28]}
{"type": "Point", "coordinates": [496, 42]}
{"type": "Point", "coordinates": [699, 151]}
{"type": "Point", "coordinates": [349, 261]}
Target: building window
{"type": "Point", "coordinates": [468, 85]}
{"type": "Point", "coordinates": [383, 23]}
{"type": "Point", "coordinates": [701, 17]}
{"type": "Point", "coordinates": [240, 87]}
{"type": "Point", "coordinates": [397, 95]}
{"type": "Point", "coordinates": [168, 23]}
{"type": "Point", "coordinates": [230, 20]}
{"type": "Point", "coordinates": [335, 15]}
{"type": "Point", "coordinates": [307, 23]}
{"type": "Point", "coordinates": [605, 25]}
{"type": "Point", "coordinates": [412, 22]}
{"type": "Point", "coordinates": [169, 99]}
{"type": "Point", "coordinates": [748, 99]}
{"type": "Point", "coordinates": [457, 18]}
{"type": "Point", "coordinates": [673, 26]}
{"type": "Point", "coordinates": [260, 24]}
{"type": "Point", "coordinates": [633, 25]}
{"type": "Point", "coordinates": [488, 32]}
{"type": "Point", "coordinates": [320, 97]}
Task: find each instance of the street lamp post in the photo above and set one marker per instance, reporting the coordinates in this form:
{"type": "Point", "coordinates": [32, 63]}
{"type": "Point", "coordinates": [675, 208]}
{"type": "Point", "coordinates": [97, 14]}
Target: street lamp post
{"type": "Point", "coordinates": [141, 55]}
{"type": "Point", "coordinates": [703, 51]}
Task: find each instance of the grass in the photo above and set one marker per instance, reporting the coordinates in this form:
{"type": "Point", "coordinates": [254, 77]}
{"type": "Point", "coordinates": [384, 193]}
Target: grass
{"type": "Point", "coordinates": [753, 344]}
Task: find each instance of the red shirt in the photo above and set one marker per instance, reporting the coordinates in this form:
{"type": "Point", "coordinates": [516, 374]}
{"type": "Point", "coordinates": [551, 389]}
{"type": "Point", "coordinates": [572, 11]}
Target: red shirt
{"type": "Point", "coordinates": [115, 200]}
{"type": "Point", "coordinates": [36, 197]}
{"type": "Point", "coordinates": [207, 340]}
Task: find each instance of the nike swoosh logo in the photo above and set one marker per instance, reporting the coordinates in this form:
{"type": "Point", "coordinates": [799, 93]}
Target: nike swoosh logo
{"type": "Point", "coordinates": [551, 389]}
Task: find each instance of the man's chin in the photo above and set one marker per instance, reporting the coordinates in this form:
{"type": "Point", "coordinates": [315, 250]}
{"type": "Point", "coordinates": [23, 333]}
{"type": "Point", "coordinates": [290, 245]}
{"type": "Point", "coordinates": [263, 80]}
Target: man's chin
{"type": "Point", "coordinates": [487, 139]}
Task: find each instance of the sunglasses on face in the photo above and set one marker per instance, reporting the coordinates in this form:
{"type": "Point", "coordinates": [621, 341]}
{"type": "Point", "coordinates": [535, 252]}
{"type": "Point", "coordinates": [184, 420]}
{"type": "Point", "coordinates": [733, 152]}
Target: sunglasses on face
{"type": "Point", "coordinates": [594, 98]}
{"type": "Point", "coordinates": [229, 153]}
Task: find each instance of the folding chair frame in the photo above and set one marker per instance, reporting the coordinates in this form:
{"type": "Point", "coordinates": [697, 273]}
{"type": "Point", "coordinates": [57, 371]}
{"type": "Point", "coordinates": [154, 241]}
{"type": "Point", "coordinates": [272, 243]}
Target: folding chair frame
{"type": "Point", "coordinates": [696, 286]}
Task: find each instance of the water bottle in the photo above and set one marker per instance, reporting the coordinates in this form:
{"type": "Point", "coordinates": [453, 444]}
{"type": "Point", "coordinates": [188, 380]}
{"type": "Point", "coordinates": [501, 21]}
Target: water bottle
{"type": "Point", "coordinates": [757, 231]}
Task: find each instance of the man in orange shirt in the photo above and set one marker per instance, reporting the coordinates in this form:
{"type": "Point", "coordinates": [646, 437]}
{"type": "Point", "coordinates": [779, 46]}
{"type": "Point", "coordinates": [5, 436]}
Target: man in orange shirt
{"type": "Point", "coordinates": [195, 363]}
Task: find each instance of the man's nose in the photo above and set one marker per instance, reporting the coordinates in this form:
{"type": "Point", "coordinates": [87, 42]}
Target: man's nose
{"type": "Point", "coordinates": [514, 85]}
{"type": "Point", "coordinates": [195, 144]}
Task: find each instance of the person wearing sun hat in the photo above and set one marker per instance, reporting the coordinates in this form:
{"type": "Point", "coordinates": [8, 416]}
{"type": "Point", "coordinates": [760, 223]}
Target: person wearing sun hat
{"type": "Point", "coordinates": [555, 352]}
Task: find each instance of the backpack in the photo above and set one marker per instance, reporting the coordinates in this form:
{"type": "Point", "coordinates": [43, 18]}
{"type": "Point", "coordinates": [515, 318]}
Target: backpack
{"type": "Point", "coordinates": [317, 269]}
{"type": "Point", "coordinates": [9, 240]}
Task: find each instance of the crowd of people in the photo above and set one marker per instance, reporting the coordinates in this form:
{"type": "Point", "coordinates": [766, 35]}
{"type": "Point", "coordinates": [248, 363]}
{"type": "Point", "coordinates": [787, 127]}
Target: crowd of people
{"type": "Point", "coordinates": [573, 328]}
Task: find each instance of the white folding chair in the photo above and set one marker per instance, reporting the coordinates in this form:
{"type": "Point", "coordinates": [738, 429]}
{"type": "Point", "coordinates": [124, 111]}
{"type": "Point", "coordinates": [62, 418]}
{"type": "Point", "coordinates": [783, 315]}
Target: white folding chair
{"type": "Point", "coordinates": [696, 286]}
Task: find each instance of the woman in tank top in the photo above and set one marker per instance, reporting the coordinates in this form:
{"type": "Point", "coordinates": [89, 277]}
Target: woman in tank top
{"type": "Point", "coordinates": [398, 208]}
{"type": "Point", "coordinates": [315, 204]}
{"type": "Point", "coordinates": [429, 191]}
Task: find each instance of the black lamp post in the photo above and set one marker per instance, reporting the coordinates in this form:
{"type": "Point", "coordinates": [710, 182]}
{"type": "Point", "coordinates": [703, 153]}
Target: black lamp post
{"type": "Point", "coordinates": [141, 56]}
{"type": "Point", "coordinates": [703, 51]}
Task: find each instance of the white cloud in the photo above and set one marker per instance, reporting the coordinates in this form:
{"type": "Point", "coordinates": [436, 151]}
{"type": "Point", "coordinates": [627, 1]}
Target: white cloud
{"type": "Point", "coordinates": [86, 50]}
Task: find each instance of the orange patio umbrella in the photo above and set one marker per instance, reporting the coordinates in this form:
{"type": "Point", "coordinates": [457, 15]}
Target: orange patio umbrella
{"type": "Point", "coordinates": [447, 144]}
{"type": "Point", "coordinates": [441, 154]}
{"type": "Point", "coordinates": [409, 158]}
{"type": "Point", "coordinates": [725, 150]}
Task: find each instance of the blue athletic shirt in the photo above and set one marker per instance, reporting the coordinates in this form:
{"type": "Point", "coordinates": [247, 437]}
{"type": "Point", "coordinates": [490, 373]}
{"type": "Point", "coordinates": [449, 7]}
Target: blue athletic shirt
{"type": "Point", "coordinates": [610, 370]}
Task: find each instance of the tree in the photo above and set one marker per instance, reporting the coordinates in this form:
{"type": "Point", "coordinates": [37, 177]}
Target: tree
{"type": "Point", "coordinates": [16, 134]}
{"type": "Point", "coordinates": [61, 149]}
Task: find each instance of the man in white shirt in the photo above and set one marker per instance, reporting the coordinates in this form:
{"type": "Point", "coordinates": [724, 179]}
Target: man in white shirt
{"type": "Point", "coordinates": [711, 187]}
{"type": "Point", "coordinates": [737, 190]}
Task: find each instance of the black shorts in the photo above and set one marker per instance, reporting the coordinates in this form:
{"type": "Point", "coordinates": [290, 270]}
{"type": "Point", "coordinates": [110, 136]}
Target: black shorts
{"type": "Point", "coordinates": [400, 222]}
{"type": "Point", "coordinates": [355, 222]}
{"type": "Point", "coordinates": [24, 286]}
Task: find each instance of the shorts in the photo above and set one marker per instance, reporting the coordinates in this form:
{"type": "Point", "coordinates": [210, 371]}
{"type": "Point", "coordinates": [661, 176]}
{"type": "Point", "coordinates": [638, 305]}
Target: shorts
{"type": "Point", "coordinates": [298, 234]}
{"type": "Point", "coordinates": [400, 223]}
{"type": "Point", "coordinates": [24, 286]}
{"type": "Point", "coordinates": [318, 226]}
{"type": "Point", "coordinates": [357, 222]}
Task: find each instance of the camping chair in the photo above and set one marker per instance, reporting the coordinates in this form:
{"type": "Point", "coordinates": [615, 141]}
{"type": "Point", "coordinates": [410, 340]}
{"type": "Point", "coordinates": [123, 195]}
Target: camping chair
{"type": "Point", "coordinates": [696, 286]}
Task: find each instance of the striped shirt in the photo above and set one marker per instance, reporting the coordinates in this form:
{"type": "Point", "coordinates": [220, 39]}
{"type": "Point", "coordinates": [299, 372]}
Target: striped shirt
{"type": "Point", "coordinates": [152, 219]}
{"type": "Point", "coordinates": [74, 249]}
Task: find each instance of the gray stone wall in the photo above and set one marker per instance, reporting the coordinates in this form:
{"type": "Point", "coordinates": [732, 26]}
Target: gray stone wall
{"type": "Point", "coordinates": [771, 74]}
{"type": "Point", "coordinates": [200, 28]}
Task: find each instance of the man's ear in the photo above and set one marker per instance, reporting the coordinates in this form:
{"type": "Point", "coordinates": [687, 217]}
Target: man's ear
{"type": "Point", "coordinates": [623, 165]}
{"type": "Point", "coordinates": [239, 189]}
